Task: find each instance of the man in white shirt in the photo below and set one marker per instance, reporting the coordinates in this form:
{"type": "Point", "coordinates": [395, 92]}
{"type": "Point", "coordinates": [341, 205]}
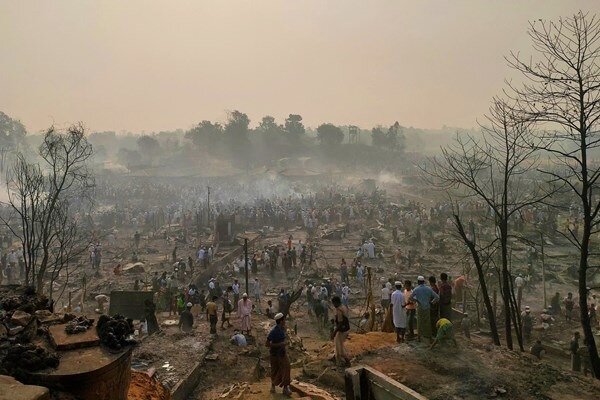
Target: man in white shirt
{"type": "Point", "coordinates": [399, 312]}
{"type": "Point", "coordinates": [236, 293]}
{"type": "Point", "coordinates": [256, 291]}
{"type": "Point", "coordinates": [385, 297]}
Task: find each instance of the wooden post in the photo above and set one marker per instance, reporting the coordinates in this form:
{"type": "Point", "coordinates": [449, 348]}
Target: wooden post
{"type": "Point", "coordinates": [69, 305]}
{"type": "Point", "coordinates": [84, 292]}
{"type": "Point", "coordinates": [370, 304]}
{"type": "Point", "coordinates": [543, 269]}
{"type": "Point", "coordinates": [246, 263]}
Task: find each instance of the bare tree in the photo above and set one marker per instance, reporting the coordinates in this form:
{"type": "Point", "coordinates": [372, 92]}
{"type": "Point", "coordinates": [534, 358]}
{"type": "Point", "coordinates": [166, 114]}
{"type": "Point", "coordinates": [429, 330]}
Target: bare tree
{"type": "Point", "coordinates": [43, 199]}
{"type": "Point", "coordinates": [495, 169]}
{"type": "Point", "coordinates": [561, 93]}
{"type": "Point", "coordinates": [476, 254]}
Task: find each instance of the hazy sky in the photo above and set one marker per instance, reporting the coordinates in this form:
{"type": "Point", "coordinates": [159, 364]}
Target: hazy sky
{"type": "Point", "coordinates": [149, 65]}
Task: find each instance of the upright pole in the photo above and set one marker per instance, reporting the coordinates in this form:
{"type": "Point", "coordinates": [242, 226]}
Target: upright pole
{"type": "Point", "coordinates": [208, 206]}
{"type": "Point", "coordinates": [543, 269]}
{"type": "Point", "coordinates": [84, 291]}
{"type": "Point", "coordinates": [246, 262]}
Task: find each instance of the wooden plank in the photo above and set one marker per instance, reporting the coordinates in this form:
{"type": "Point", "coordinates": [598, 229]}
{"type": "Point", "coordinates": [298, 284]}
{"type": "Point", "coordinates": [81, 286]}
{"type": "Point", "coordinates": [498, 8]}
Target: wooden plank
{"type": "Point", "coordinates": [61, 340]}
{"type": "Point", "coordinates": [363, 382]}
{"type": "Point", "coordinates": [388, 388]}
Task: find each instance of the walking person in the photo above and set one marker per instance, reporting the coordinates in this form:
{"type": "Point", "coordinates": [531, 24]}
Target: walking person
{"type": "Point", "coordinates": [340, 332]}
{"type": "Point", "coordinates": [280, 363]}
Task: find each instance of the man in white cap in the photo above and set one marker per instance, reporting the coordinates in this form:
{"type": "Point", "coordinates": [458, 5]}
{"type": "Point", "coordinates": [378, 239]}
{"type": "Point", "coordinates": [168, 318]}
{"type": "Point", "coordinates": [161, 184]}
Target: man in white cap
{"type": "Point", "coordinates": [398, 311]}
{"type": "Point", "coordinates": [244, 307]}
{"type": "Point", "coordinates": [423, 295]}
{"type": "Point", "coordinates": [280, 363]}
{"type": "Point", "coordinates": [186, 319]}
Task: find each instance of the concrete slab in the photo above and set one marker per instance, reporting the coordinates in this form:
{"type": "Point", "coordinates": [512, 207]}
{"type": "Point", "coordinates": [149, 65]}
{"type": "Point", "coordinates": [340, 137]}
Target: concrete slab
{"type": "Point", "coordinates": [11, 389]}
{"type": "Point", "coordinates": [61, 340]}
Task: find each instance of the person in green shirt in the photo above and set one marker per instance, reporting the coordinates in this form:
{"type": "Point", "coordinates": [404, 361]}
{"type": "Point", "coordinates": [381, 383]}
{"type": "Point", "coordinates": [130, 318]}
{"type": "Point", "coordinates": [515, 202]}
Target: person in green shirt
{"type": "Point", "coordinates": [445, 332]}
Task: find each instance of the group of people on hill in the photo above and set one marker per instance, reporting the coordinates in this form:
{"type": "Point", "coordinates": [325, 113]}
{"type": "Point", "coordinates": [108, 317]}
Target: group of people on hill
{"type": "Point", "coordinates": [429, 304]}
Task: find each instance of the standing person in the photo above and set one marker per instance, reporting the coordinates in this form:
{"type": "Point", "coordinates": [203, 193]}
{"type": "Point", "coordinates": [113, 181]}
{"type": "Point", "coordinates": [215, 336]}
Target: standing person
{"type": "Point", "coordinates": [410, 309]}
{"type": "Point", "coordinates": [435, 307]}
{"type": "Point", "coordinates": [569, 304]}
{"type": "Point", "coordinates": [520, 284]}
{"type": "Point", "coordinates": [465, 326]}
{"type": "Point", "coordinates": [227, 309]}
{"type": "Point", "coordinates": [527, 323]}
{"type": "Point", "coordinates": [398, 304]}
{"type": "Point", "coordinates": [344, 271]}
{"type": "Point", "coordinates": [340, 333]}
{"type": "Point", "coordinates": [136, 240]}
{"type": "Point", "coordinates": [360, 275]}
{"type": "Point", "coordinates": [211, 314]}
{"type": "Point", "coordinates": [385, 297]}
{"type": "Point", "coordinates": [150, 316]}
{"type": "Point", "coordinates": [174, 254]}
{"type": "Point", "coordinates": [424, 296]}
{"type": "Point", "coordinates": [186, 319]}
{"type": "Point", "coordinates": [256, 291]}
{"type": "Point", "coordinates": [236, 293]}
{"type": "Point", "coordinates": [98, 255]}
{"type": "Point", "coordinates": [244, 308]}
{"type": "Point", "coordinates": [575, 356]}
{"type": "Point", "coordinates": [445, 295]}
{"type": "Point", "coordinates": [345, 295]}
{"type": "Point", "coordinates": [280, 363]}
{"type": "Point", "coordinates": [555, 304]}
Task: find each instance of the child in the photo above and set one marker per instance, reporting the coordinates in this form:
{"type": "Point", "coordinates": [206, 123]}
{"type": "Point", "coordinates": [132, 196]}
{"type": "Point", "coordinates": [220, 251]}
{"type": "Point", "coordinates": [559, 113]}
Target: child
{"type": "Point", "coordinates": [269, 310]}
{"type": "Point", "coordinates": [465, 326]}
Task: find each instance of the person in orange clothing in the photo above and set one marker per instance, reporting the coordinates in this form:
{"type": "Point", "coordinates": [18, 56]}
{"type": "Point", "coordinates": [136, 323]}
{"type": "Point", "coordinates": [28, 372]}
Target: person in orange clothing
{"type": "Point", "coordinates": [410, 308]}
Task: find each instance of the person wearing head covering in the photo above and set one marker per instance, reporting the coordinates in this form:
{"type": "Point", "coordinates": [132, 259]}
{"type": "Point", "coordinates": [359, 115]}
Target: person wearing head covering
{"type": "Point", "coordinates": [527, 323]}
{"type": "Point", "coordinates": [280, 363]}
{"type": "Point", "coordinates": [244, 307]}
{"type": "Point", "coordinates": [398, 305]}
{"type": "Point", "coordinates": [423, 295]}
{"type": "Point", "coordinates": [186, 319]}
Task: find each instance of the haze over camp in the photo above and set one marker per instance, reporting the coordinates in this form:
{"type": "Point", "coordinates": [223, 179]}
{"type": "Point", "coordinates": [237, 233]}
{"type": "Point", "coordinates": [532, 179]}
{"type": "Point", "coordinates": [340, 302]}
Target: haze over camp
{"type": "Point", "coordinates": [313, 200]}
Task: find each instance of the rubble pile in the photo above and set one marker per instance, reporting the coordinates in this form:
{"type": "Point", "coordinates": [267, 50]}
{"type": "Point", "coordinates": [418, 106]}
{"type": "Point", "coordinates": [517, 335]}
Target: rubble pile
{"type": "Point", "coordinates": [78, 325]}
{"type": "Point", "coordinates": [144, 387]}
{"type": "Point", "coordinates": [20, 359]}
{"type": "Point", "coordinates": [19, 308]}
{"type": "Point", "coordinates": [115, 332]}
